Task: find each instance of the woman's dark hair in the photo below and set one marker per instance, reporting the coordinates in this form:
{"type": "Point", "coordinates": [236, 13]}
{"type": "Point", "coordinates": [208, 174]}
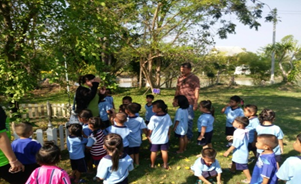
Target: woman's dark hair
{"type": "Point", "coordinates": [266, 115]}
{"type": "Point", "coordinates": [97, 124]}
{"type": "Point", "coordinates": [209, 153]}
{"type": "Point", "coordinates": [49, 154]}
{"type": "Point", "coordinates": [237, 99]}
{"type": "Point", "coordinates": [85, 114]}
{"type": "Point", "coordinates": [182, 101]}
{"type": "Point", "coordinates": [251, 109]}
{"type": "Point", "coordinates": [113, 144]}
{"type": "Point", "coordinates": [75, 130]}
{"type": "Point", "coordinates": [242, 120]}
{"type": "Point", "coordinates": [160, 104]}
{"type": "Point", "coordinates": [82, 79]}
{"type": "Point", "coordinates": [207, 105]}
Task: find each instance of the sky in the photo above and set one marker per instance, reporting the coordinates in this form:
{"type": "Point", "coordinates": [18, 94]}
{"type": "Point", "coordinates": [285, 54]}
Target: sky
{"type": "Point", "coordinates": [289, 12]}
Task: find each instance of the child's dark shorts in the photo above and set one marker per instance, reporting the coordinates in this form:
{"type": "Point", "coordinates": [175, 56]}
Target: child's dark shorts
{"type": "Point", "coordinates": [158, 147]}
{"type": "Point", "coordinates": [230, 130]}
{"type": "Point", "coordinates": [207, 138]}
{"type": "Point", "coordinates": [134, 150]}
{"type": "Point", "coordinates": [240, 167]}
{"type": "Point", "coordinates": [207, 174]}
{"type": "Point", "coordinates": [79, 165]}
{"type": "Point", "coordinates": [179, 136]}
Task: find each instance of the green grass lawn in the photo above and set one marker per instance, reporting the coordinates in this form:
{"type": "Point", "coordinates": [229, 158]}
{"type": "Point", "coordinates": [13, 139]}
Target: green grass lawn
{"type": "Point", "coordinates": [285, 100]}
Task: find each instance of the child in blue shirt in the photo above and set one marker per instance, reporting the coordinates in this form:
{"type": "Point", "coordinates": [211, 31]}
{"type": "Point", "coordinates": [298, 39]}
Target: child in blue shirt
{"type": "Point", "coordinates": [159, 128]}
{"type": "Point", "coordinates": [109, 97]}
{"type": "Point", "coordinates": [75, 145]}
{"type": "Point", "coordinates": [205, 124]}
{"type": "Point", "coordinates": [232, 110]}
{"type": "Point", "coordinates": [291, 168]}
{"type": "Point", "coordinates": [149, 108]}
{"type": "Point", "coordinates": [181, 121]}
{"type": "Point", "coordinates": [207, 167]}
{"type": "Point", "coordinates": [266, 118]}
{"type": "Point", "coordinates": [114, 167]}
{"type": "Point", "coordinates": [25, 149]}
{"type": "Point", "coordinates": [250, 112]}
{"type": "Point", "coordinates": [266, 166]}
{"type": "Point", "coordinates": [136, 125]}
{"type": "Point", "coordinates": [104, 110]}
{"type": "Point", "coordinates": [240, 147]}
{"type": "Point", "coordinates": [120, 129]}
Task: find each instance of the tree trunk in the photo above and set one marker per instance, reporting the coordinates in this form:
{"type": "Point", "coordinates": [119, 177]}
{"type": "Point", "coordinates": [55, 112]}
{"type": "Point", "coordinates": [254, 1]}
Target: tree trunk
{"type": "Point", "coordinates": [284, 74]}
{"type": "Point", "coordinates": [140, 73]}
{"type": "Point", "coordinates": [158, 72]}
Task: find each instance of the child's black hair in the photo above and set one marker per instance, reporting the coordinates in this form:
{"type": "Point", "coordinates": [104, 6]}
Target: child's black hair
{"type": "Point", "coordinates": [122, 107]}
{"type": "Point", "coordinates": [85, 114]}
{"type": "Point", "coordinates": [243, 121]}
{"type": "Point", "coordinates": [237, 99]}
{"type": "Point", "coordinates": [270, 140]}
{"type": "Point", "coordinates": [160, 104]}
{"type": "Point", "coordinates": [97, 124]}
{"type": "Point", "coordinates": [83, 79]}
{"type": "Point", "coordinates": [101, 97]}
{"type": "Point", "coordinates": [23, 129]}
{"type": "Point", "coordinates": [127, 98]}
{"type": "Point", "coordinates": [113, 143]}
{"type": "Point", "coordinates": [209, 153]}
{"type": "Point", "coordinates": [75, 130]}
{"type": "Point", "coordinates": [251, 109]}
{"type": "Point", "coordinates": [108, 91]}
{"type": "Point", "coordinates": [133, 107]}
{"type": "Point", "coordinates": [49, 154]}
{"type": "Point", "coordinates": [150, 96]}
{"type": "Point", "coordinates": [182, 101]}
{"type": "Point", "coordinates": [207, 105]}
{"type": "Point", "coordinates": [266, 115]}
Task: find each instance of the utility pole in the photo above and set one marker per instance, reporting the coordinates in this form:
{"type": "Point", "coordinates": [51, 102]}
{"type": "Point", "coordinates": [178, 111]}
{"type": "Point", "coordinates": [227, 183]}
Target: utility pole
{"type": "Point", "coordinates": [274, 14]}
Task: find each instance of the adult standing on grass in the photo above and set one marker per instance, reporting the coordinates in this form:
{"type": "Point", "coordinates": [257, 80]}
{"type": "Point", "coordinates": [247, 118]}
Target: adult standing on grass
{"type": "Point", "coordinates": [86, 96]}
{"type": "Point", "coordinates": [9, 163]}
{"type": "Point", "coordinates": [189, 85]}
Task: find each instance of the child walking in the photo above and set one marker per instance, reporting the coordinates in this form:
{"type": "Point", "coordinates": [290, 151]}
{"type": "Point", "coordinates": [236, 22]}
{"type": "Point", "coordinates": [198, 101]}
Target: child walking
{"type": "Point", "coordinates": [25, 149]}
{"type": "Point", "coordinates": [181, 121]}
{"type": "Point", "coordinates": [250, 111]}
{"type": "Point", "coordinates": [149, 108]}
{"type": "Point", "coordinates": [48, 157]}
{"type": "Point", "coordinates": [206, 167]}
{"type": "Point", "coordinates": [266, 166]}
{"type": "Point", "coordinates": [266, 118]}
{"type": "Point", "coordinates": [75, 145]}
{"type": "Point", "coordinates": [240, 147]}
{"type": "Point", "coordinates": [205, 124]}
{"type": "Point", "coordinates": [109, 97]}
{"type": "Point", "coordinates": [114, 167]}
{"type": "Point", "coordinates": [136, 125]}
{"type": "Point", "coordinates": [291, 168]}
{"type": "Point", "coordinates": [232, 110]}
{"type": "Point", "coordinates": [159, 132]}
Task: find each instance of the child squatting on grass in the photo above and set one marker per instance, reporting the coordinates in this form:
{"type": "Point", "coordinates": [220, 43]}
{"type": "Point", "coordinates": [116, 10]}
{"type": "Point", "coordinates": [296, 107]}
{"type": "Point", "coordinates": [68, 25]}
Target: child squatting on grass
{"type": "Point", "coordinates": [240, 147]}
{"type": "Point", "coordinates": [290, 170]}
{"type": "Point", "coordinates": [206, 167]}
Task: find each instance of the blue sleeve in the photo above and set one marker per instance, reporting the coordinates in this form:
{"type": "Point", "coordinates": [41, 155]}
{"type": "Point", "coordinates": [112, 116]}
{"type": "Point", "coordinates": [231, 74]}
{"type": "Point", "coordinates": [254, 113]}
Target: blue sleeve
{"type": "Point", "coordinates": [285, 171]}
{"type": "Point", "coordinates": [90, 142]}
{"type": "Point", "coordinates": [227, 110]}
{"type": "Point", "coordinates": [178, 116]}
{"type": "Point", "coordinates": [237, 142]}
{"type": "Point", "coordinates": [102, 170]}
{"type": "Point", "coordinates": [280, 134]}
{"type": "Point", "coordinates": [197, 167]}
{"type": "Point", "coordinates": [241, 113]}
{"type": "Point", "coordinates": [86, 131]}
{"type": "Point", "coordinates": [143, 125]}
{"type": "Point", "coordinates": [151, 124]}
{"type": "Point", "coordinates": [204, 122]}
{"type": "Point", "coordinates": [218, 167]}
{"type": "Point", "coordinates": [267, 170]}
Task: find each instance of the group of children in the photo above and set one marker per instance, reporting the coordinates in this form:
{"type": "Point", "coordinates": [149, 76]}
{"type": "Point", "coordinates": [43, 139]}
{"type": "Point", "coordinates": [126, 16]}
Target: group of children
{"type": "Point", "coordinates": [112, 143]}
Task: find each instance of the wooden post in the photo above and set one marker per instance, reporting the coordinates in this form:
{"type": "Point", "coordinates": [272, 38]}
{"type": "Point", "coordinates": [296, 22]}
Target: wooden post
{"type": "Point", "coordinates": [52, 134]}
{"type": "Point", "coordinates": [62, 140]}
{"type": "Point", "coordinates": [40, 137]}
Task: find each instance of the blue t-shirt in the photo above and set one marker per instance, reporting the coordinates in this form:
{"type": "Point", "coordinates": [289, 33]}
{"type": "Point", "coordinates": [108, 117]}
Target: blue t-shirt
{"type": "Point", "coordinates": [87, 131]}
{"type": "Point", "coordinates": [136, 125]}
{"type": "Point", "coordinates": [182, 117]}
{"type": "Point", "coordinates": [123, 131]}
{"type": "Point", "coordinates": [266, 167]}
{"type": "Point", "coordinates": [253, 123]}
{"type": "Point", "coordinates": [231, 114]}
{"type": "Point", "coordinates": [206, 120]}
{"type": "Point", "coordinates": [273, 130]}
{"type": "Point", "coordinates": [26, 150]}
{"type": "Point", "coordinates": [110, 100]}
{"type": "Point", "coordinates": [75, 146]}
{"type": "Point", "coordinates": [290, 170]}
{"type": "Point", "coordinates": [103, 107]}
{"type": "Point", "coordinates": [159, 125]}
{"type": "Point", "coordinates": [240, 142]}
{"type": "Point", "coordinates": [199, 167]}
{"type": "Point", "coordinates": [148, 112]}
{"type": "Point", "coordinates": [104, 169]}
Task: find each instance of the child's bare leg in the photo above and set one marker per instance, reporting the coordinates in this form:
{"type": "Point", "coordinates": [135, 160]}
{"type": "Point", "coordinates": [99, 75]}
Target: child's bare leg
{"type": "Point", "coordinates": [248, 175]}
{"type": "Point", "coordinates": [153, 158]}
{"type": "Point", "coordinates": [277, 165]}
{"type": "Point", "coordinates": [77, 175]}
{"type": "Point", "coordinates": [185, 142]}
{"type": "Point", "coordinates": [136, 158]}
{"type": "Point", "coordinates": [181, 145]}
{"type": "Point", "coordinates": [132, 156]}
{"type": "Point", "coordinates": [233, 167]}
{"type": "Point", "coordinates": [165, 158]}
